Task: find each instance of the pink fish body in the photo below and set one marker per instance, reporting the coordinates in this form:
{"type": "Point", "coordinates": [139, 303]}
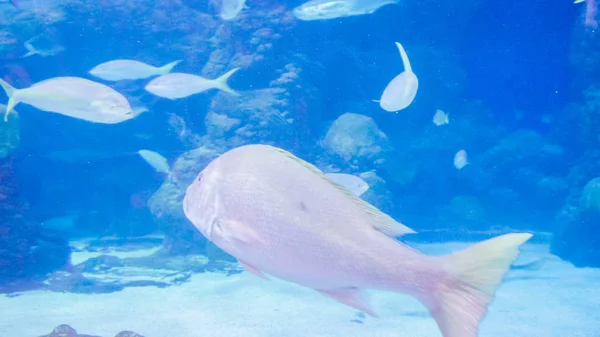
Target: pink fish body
{"type": "Point", "coordinates": [281, 216]}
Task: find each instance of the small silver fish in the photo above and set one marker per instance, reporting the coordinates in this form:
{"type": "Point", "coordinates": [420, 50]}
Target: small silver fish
{"type": "Point", "coordinates": [440, 118]}
{"type": "Point", "coordinates": [74, 97]}
{"type": "Point", "coordinates": [61, 224]}
{"type": "Point", "coordinates": [460, 159]}
{"type": "Point", "coordinates": [44, 45]}
{"type": "Point", "coordinates": [332, 9]}
{"type": "Point", "coordinates": [180, 85]}
{"type": "Point", "coordinates": [129, 70]}
{"type": "Point", "coordinates": [156, 160]}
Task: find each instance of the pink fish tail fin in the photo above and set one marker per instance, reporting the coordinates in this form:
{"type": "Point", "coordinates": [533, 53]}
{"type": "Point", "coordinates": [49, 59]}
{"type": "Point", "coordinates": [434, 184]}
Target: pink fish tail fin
{"type": "Point", "coordinates": [461, 303]}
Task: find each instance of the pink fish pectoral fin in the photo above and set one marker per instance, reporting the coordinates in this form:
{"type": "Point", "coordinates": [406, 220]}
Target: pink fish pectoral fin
{"type": "Point", "coordinates": [253, 270]}
{"type": "Point", "coordinates": [235, 230]}
{"type": "Point", "coordinates": [352, 297]}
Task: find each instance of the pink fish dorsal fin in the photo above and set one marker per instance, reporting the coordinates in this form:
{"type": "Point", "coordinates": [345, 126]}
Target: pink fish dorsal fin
{"type": "Point", "coordinates": [381, 221]}
{"type": "Point", "coordinates": [253, 270]}
{"type": "Point", "coordinates": [233, 230]}
{"type": "Point", "coordinates": [352, 297]}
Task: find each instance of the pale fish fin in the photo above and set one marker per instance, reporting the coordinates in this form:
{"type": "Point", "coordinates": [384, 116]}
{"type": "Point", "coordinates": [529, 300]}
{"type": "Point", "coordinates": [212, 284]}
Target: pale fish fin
{"type": "Point", "coordinates": [253, 270]}
{"type": "Point", "coordinates": [12, 101]}
{"type": "Point", "coordinates": [352, 297]}
{"type": "Point", "coordinates": [578, 1]}
{"type": "Point", "coordinates": [139, 110]}
{"type": "Point", "coordinates": [168, 67]}
{"type": "Point", "coordinates": [30, 50]}
{"type": "Point", "coordinates": [383, 222]}
{"type": "Point", "coordinates": [235, 230]}
{"type": "Point", "coordinates": [376, 100]}
{"type": "Point", "coordinates": [221, 82]}
{"type": "Point", "coordinates": [171, 177]}
{"type": "Point", "coordinates": [349, 181]}
{"type": "Point", "coordinates": [405, 61]}
{"type": "Point", "coordinates": [459, 305]}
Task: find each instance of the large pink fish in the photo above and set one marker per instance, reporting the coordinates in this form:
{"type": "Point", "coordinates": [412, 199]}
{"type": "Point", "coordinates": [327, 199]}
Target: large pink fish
{"type": "Point", "coordinates": [281, 216]}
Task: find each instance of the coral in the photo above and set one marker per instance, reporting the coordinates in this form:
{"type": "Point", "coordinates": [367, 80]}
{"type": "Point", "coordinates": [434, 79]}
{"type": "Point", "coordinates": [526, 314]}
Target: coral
{"type": "Point", "coordinates": [356, 141]}
{"type": "Point", "coordinates": [262, 115]}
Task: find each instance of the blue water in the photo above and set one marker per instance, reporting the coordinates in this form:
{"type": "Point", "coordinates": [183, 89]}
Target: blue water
{"type": "Point", "coordinates": [519, 81]}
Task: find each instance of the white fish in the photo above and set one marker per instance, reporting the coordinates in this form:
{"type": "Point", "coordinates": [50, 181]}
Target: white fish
{"type": "Point", "coordinates": [351, 182]}
{"type": "Point", "coordinates": [61, 224]}
{"type": "Point", "coordinates": [460, 159]}
{"type": "Point", "coordinates": [401, 91]}
{"type": "Point", "coordinates": [129, 70]}
{"type": "Point", "coordinates": [231, 8]}
{"type": "Point", "coordinates": [440, 118]}
{"type": "Point", "coordinates": [156, 160]}
{"type": "Point", "coordinates": [180, 85]}
{"type": "Point", "coordinates": [43, 45]}
{"type": "Point", "coordinates": [331, 9]}
{"type": "Point", "coordinates": [279, 216]}
{"type": "Point", "coordinates": [74, 97]}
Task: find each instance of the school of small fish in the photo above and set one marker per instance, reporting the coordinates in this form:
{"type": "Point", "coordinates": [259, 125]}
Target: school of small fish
{"type": "Point", "coordinates": [313, 230]}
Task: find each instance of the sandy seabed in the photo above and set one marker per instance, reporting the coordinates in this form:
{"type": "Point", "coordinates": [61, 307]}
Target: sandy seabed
{"type": "Point", "coordinates": [558, 300]}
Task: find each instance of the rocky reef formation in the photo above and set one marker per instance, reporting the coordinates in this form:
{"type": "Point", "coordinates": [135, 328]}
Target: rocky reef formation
{"type": "Point", "coordinates": [576, 238]}
{"type": "Point", "coordinates": [65, 330]}
{"type": "Point", "coordinates": [577, 235]}
{"type": "Point", "coordinates": [112, 264]}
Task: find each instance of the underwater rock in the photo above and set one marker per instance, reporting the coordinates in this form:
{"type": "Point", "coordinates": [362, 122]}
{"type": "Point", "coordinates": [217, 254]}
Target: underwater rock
{"type": "Point", "coordinates": [65, 330]}
{"type": "Point", "coordinates": [128, 334]}
{"type": "Point", "coordinates": [166, 204]}
{"type": "Point", "coordinates": [576, 239]}
{"type": "Point", "coordinates": [590, 196]}
{"type": "Point", "coordinates": [109, 273]}
{"type": "Point", "coordinates": [356, 141]}
{"type": "Point", "coordinates": [522, 175]}
{"type": "Point", "coordinates": [91, 277]}
{"type": "Point", "coordinates": [111, 244]}
{"type": "Point", "coordinates": [256, 116]}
